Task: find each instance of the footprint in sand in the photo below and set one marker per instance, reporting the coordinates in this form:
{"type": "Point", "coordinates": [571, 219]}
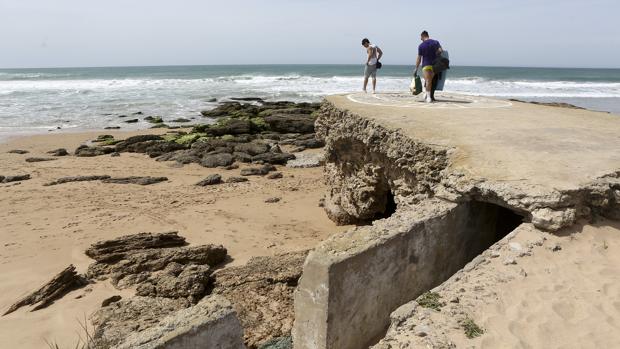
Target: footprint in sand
{"type": "Point", "coordinates": [563, 309]}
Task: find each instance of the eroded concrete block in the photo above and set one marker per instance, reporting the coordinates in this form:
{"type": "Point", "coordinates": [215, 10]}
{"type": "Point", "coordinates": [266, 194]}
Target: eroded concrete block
{"type": "Point", "coordinates": [211, 324]}
{"type": "Point", "coordinates": [353, 281]}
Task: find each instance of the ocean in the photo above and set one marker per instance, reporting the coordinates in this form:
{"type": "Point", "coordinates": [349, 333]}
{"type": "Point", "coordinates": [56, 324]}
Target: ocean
{"type": "Point", "coordinates": [40, 100]}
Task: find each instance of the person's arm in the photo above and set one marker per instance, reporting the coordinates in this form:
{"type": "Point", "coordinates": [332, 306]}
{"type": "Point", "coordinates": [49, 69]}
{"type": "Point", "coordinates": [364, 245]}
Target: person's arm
{"type": "Point", "coordinates": [417, 63]}
{"type": "Point", "coordinates": [369, 50]}
{"type": "Point", "coordinates": [380, 53]}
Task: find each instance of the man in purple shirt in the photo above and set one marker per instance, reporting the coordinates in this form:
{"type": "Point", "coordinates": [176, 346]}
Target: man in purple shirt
{"type": "Point", "coordinates": [428, 51]}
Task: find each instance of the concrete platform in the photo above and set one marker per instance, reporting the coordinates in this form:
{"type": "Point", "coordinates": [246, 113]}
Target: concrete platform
{"type": "Point", "coordinates": [431, 187]}
{"type": "Point", "coordinates": [499, 140]}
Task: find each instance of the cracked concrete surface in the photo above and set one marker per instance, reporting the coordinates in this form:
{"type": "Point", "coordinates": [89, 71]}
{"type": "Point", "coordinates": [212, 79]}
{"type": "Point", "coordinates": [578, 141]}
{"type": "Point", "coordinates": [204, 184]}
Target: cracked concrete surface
{"type": "Point", "coordinates": [554, 165]}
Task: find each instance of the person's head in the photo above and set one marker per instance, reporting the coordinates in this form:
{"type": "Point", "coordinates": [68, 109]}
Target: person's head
{"type": "Point", "coordinates": [365, 42]}
{"type": "Point", "coordinates": [424, 35]}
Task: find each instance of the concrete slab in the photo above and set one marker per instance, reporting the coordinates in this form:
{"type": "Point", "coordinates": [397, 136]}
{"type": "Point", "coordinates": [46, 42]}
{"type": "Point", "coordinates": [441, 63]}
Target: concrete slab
{"type": "Point", "coordinates": [499, 140]}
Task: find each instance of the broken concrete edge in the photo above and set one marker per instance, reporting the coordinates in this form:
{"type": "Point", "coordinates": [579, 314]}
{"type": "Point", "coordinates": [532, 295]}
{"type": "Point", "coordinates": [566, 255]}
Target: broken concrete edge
{"type": "Point", "coordinates": [347, 289]}
{"type": "Point", "coordinates": [406, 320]}
{"type": "Point", "coordinates": [413, 170]}
{"type": "Point", "coordinates": [212, 323]}
{"type": "Point", "coordinates": [364, 161]}
{"type": "Point", "coordinates": [354, 280]}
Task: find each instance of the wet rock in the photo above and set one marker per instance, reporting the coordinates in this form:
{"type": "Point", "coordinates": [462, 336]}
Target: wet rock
{"type": "Point", "coordinates": [215, 160]}
{"type": "Point", "coordinates": [154, 119]}
{"type": "Point", "coordinates": [103, 138]}
{"type": "Point", "coordinates": [273, 158]}
{"type": "Point", "coordinates": [158, 148]}
{"type": "Point", "coordinates": [77, 179]}
{"type": "Point", "coordinates": [248, 99]}
{"type": "Point", "coordinates": [252, 148]}
{"type": "Point", "coordinates": [35, 159]}
{"type": "Point", "coordinates": [181, 120]}
{"type": "Point", "coordinates": [236, 180]}
{"type": "Point", "coordinates": [59, 152]}
{"type": "Point", "coordinates": [65, 281]}
{"type": "Point", "coordinates": [275, 175]}
{"type": "Point", "coordinates": [272, 200]}
{"type": "Point", "coordinates": [86, 151]}
{"type": "Point", "coordinates": [123, 145]}
{"type": "Point", "coordinates": [242, 157]}
{"type": "Point", "coordinates": [221, 150]}
{"type": "Point", "coordinates": [212, 100]}
{"type": "Point", "coordinates": [116, 249]}
{"type": "Point", "coordinates": [231, 127]}
{"type": "Point", "coordinates": [301, 123]}
{"type": "Point", "coordinates": [18, 151]}
{"type": "Point", "coordinates": [110, 300]}
{"type": "Point", "coordinates": [111, 127]}
{"type": "Point", "coordinates": [249, 287]}
{"type": "Point", "coordinates": [210, 180]}
{"type": "Point", "coordinates": [253, 171]}
{"type": "Point", "coordinates": [136, 180]}
{"type": "Point", "coordinates": [309, 143]}
{"type": "Point", "coordinates": [131, 121]}
{"type": "Point", "coordinates": [17, 178]}
{"type": "Point", "coordinates": [231, 167]}
{"type": "Point", "coordinates": [181, 156]}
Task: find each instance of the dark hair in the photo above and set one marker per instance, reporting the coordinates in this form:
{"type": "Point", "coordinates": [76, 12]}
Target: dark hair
{"type": "Point", "coordinates": [424, 33]}
{"type": "Point", "coordinates": [365, 41]}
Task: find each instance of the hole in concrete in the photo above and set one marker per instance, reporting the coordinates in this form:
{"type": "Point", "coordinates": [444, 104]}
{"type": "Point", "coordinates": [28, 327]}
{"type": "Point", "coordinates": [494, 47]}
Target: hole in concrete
{"type": "Point", "coordinates": [489, 223]}
{"type": "Point", "coordinates": [390, 206]}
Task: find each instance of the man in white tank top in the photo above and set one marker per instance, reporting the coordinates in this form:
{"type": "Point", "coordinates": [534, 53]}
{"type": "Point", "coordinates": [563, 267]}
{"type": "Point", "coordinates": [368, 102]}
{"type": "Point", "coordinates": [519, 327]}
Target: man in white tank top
{"type": "Point", "coordinates": [374, 55]}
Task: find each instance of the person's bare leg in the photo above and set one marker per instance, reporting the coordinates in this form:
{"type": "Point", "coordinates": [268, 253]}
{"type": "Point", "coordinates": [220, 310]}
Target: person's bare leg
{"type": "Point", "coordinates": [365, 83]}
{"type": "Point", "coordinates": [428, 79]}
{"type": "Point", "coordinates": [374, 85]}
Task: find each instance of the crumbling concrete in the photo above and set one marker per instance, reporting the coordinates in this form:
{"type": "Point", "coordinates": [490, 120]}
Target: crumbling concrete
{"type": "Point", "coordinates": [353, 281]}
{"type": "Point", "coordinates": [439, 175]}
{"type": "Point", "coordinates": [212, 323]}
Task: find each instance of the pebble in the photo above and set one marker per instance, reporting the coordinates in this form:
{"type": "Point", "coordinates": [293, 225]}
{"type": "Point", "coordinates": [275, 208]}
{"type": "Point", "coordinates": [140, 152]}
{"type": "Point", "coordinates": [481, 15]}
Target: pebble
{"type": "Point", "coordinates": [421, 330]}
{"type": "Point", "coordinates": [495, 254]}
{"type": "Point", "coordinates": [515, 246]}
{"type": "Point", "coordinates": [509, 261]}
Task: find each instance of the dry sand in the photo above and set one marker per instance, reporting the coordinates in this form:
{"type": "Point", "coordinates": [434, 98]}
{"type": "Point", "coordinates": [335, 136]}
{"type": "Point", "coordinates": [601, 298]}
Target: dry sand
{"type": "Point", "coordinates": [530, 290]}
{"type": "Point", "coordinates": [45, 228]}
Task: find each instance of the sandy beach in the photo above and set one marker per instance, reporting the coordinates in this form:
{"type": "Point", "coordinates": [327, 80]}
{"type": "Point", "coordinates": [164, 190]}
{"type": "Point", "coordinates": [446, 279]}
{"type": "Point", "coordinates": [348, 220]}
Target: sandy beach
{"type": "Point", "coordinates": [46, 228]}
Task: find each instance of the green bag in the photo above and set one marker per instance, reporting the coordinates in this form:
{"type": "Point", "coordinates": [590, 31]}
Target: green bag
{"type": "Point", "coordinates": [416, 85]}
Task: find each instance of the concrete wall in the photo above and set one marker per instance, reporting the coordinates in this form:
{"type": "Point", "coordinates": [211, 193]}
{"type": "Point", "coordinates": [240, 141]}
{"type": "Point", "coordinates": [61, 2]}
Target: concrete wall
{"type": "Point", "coordinates": [353, 281]}
{"type": "Point", "coordinates": [211, 324]}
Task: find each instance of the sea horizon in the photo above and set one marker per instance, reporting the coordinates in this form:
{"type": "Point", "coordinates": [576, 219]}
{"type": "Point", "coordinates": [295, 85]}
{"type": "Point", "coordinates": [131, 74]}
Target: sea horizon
{"type": "Point", "coordinates": [37, 100]}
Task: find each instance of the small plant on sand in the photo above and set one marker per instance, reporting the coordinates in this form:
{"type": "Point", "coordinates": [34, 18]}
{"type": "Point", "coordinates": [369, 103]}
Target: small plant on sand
{"type": "Point", "coordinates": [430, 300]}
{"type": "Point", "coordinates": [472, 330]}
{"type": "Point", "coordinates": [84, 341]}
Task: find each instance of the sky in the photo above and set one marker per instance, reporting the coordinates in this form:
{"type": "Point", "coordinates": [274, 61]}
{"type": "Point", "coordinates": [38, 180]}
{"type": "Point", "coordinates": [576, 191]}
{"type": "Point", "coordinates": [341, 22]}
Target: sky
{"type": "Point", "coordinates": [86, 33]}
